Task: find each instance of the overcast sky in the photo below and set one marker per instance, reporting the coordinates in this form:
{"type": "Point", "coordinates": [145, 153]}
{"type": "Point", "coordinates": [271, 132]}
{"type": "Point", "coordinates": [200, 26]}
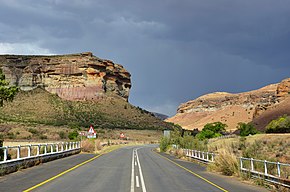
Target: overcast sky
{"type": "Point", "coordinates": [176, 50]}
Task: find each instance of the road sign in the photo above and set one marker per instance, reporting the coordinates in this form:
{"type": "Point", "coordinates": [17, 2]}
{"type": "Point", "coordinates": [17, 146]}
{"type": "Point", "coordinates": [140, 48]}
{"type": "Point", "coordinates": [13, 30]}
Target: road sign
{"type": "Point", "coordinates": [122, 135]}
{"type": "Point", "coordinates": [91, 133]}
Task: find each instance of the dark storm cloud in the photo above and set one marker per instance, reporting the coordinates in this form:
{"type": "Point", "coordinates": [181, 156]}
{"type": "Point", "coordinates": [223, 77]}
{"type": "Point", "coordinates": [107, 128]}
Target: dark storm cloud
{"type": "Point", "coordinates": [176, 50]}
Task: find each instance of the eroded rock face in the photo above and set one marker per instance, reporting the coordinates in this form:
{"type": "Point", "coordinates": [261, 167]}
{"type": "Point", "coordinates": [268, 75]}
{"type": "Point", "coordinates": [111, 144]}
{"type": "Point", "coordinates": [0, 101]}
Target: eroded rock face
{"type": "Point", "coordinates": [283, 88]}
{"type": "Point", "coordinates": [72, 77]}
{"type": "Point", "coordinates": [229, 108]}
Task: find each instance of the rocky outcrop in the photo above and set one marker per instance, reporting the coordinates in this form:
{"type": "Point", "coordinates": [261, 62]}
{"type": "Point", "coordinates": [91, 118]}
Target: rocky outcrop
{"type": "Point", "coordinates": [283, 88]}
{"type": "Point", "coordinates": [230, 108]}
{"type": "Point", "coordinates": [72, 77]}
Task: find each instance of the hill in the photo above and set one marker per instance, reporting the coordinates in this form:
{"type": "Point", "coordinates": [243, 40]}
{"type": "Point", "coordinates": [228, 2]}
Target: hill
{"type": "Point", "coordinates": [260, 106]}
{"type": "Point", "coordinates": [40, 106]}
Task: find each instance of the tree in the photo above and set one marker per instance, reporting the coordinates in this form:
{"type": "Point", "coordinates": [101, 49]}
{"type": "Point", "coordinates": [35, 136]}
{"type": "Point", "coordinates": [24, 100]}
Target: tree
{"type": "Point", "coordinates": [280, 125]}
{"type": "Point", "coordinates": [7, 93]}
{"type": "Point", "coordinates": [212, 130]}
{"type": "Point", "coordinates": [246, 129]}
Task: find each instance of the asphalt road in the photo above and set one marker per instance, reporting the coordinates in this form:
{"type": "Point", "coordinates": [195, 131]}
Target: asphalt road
{"type": "Point", "coordinates": [129, 169]}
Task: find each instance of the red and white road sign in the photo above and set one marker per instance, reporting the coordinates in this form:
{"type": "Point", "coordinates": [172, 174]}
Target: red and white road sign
{"type": "Point", "coordinates": [91, 133]}
{"type": "Point", "coordinates": [122, 135]}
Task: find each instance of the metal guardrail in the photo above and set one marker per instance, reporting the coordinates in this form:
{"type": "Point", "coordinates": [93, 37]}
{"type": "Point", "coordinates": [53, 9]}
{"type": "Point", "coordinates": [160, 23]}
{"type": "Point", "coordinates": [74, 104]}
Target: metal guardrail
{"type": "Point", "coordinates": [274, 172]}
{"type": "Point", "coordinates": [36, 150]}
{"type": "Point", "coordinates": [206, 157]}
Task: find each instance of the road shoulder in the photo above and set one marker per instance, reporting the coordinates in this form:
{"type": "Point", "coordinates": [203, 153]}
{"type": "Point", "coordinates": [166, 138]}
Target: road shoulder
{"type": "Point", "coordinates": [225, 182]}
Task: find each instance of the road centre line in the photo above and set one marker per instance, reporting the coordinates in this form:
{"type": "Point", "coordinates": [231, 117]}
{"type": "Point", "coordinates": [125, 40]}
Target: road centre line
{"type": "Point", "coordinates": [193, 173]}
{"type": "Point", "coordinates": [137, 181]}
{"type": "Point", "coordinates": [132, 172]}
{"type": "Point", "coordinates": [140, 172]}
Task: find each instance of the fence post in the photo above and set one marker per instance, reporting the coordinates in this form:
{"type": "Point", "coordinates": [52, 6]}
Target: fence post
{"type": "Point", "coordinates": [252, 164]}
{"type": "Point", "coordinates": [28, 150]}
{"type": "Point", "coordinates": [38, 150]}
{"type": "Point", "coordinates": [18, 151]}
{"type": "Point", "coordinates": [5, 153]}
{"type": "Point", "coordinates": [278, 169]}
{"type": "Point", "coordinates": [265, 165]}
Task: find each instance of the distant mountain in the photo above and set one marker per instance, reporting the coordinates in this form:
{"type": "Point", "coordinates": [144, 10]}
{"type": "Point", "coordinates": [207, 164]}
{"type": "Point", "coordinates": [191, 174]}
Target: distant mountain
{"type": "Point", "coordinates": [160, 116]}
{"type": "Point", "coordinates": [258, 106]}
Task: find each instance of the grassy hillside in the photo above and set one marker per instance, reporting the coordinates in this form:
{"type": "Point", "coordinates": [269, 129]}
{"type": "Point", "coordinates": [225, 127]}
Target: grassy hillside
{"type": "Point", "coordinates": [39, 106]}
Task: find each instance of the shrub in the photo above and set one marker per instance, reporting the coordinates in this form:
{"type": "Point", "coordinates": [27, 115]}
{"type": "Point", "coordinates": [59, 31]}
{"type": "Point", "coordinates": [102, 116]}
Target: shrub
{"type": "Point", "coordinates": [164, 144]}
{"type": "Point", "coordinates": [246, 129]}
{"type": "Point", "coordinates": [33, 131]}
{"type": "Point", "coordinates": [62, 135]}
{"type": "Point", "coordinates": [73, 135]}
{"type": "Point", "coordinates": [212, 130]}
{"type": "Point", "coordinates": [280, 125]}
{"type": "Point", "coordinates": [226, 162]}
{"type": "Point", "coordinates": [88, 146]}
{"type": "Point", "coordinates": [42, 137]}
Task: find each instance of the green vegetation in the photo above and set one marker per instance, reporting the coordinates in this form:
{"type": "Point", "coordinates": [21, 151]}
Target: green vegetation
{"type": "Point", "coordinates": [41, 107]}
{"type": "Point", "coordinates": [73, 135]}
{"type": "Point", "coordinates": [212, 130]}
{"type": "Point", "coordinates": [246, 129]}
{"type": "Point", "coordinates": [7, 93]}
{"type": "Point", "coordinates": [280, 125]}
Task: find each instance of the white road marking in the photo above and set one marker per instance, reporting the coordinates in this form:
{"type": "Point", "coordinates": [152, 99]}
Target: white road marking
{"type": "Point", "coordinates": [132, 173]}
{"type": "Point", "coordinates": [137, 181]}
{"type": "Point", "coordinates": [140, 172]}
{"type": "Point", "coordinates": [135, 163]}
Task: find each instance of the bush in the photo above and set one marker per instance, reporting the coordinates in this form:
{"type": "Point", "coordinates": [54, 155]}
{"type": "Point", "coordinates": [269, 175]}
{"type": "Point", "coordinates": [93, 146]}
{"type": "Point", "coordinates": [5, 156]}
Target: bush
{"type": "Point", "coordinates": [211, 130]}
{"type": "Point", "coordinates": [226, 163]}
{"type": "Point", "coordinates": [88, 146]}
{"type": "Point", "coordinates": [280, 125]}
{"type": "Point", "coordinates": [73, 135]}
{"type": "Point", "coordinates": [42, 137]}
{"type": "Point", "coordinates": [164, 144]}
{"type": "Point", "coordinates": [246, 129]}
{"type": "Point", "coordinates": [33, 131]}
{"type": "Point", "coordinates": [62, 135]}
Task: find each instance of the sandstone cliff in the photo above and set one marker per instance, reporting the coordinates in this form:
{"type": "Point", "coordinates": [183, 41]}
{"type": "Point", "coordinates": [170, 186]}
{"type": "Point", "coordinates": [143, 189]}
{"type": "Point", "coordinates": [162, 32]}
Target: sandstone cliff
{"type": "Point", "coordinates": [72, 77]}
{"type": "Point", "coordinates": [231, 108]}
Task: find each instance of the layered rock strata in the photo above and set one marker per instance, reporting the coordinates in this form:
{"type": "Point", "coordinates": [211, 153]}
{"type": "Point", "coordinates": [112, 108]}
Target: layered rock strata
{"type": "Point", "coordinates": [230, 108]}
{"type": "Point", "coordinates": [80, 76]}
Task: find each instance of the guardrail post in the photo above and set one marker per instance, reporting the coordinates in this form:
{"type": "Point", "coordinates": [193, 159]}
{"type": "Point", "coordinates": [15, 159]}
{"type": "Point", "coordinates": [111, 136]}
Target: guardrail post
{"type": "Point", "coordinates": [252, 164]}
{"type": "Point", "coordinates": [5, 153]}
{"type": "Point", "coordinates": [202, 155]}
{"type": "Point", "coordinates": [278, 169]}
{"type": "Point", "coordinates": [241, 163]}
{"type": "Point", "coordinates": [212, 157]}
{"type": "Point", "coordinates": [207, 156]}
{"type": "Point", "coordinates": [38, 150]}
{"type": "Point", "coordinates": [56, 147]}
{"type": "Point", "coordinates": [28, 150]}
{"type": "Point", "coordinates": [18, 151]}
{"type": "Point", "coordinates": [51, 148]}
{"type": "Point", "coordinates": [66, 147]}
{"type": "Point", "coordinates": [265, 165]}
{"type": "Point", "coordinates": [45, 148]}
